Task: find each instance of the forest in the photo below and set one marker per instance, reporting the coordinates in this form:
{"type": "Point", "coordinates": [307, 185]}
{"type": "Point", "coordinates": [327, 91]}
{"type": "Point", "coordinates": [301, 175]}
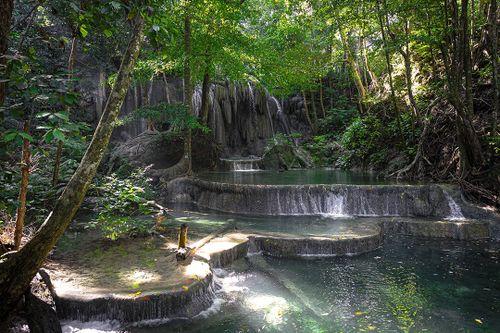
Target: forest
{"type": "Point", "coordinates": [167, 166]}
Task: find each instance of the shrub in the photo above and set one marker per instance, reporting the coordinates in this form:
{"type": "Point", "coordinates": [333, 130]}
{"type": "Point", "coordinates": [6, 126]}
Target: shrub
{"type": "Point", "coordinates": [121, 200]}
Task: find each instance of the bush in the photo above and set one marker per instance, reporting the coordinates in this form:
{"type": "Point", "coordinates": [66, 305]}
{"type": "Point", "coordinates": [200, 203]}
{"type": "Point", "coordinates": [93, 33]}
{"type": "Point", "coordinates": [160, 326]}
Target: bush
{"type": "Point", "coordinates": [336, 121]}
{"type": "Point", "coordinates": [121, 200]}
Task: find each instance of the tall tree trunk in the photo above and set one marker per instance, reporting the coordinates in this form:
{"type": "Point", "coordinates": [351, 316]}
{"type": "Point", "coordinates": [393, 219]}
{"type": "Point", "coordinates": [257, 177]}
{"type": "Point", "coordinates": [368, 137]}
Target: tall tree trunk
{"type": "Point", "coordinates": [71, 66]}
{"type": "Point", "coordinates": [313, 107]}
{"type": "Point", "coordinates": [388, 61]}
{"type": "Point", "coordinates": [17, 269]}
{"type": "Point", "coordinates": [492, 21]}
{"type": "Point", "coordinates": [455, 64]}
{"type": "Point", "coordinates": [205, 87]}
{"type": "Point", "coordinates": [354, 71]}
{"type": "Point", "coordinates": [373, 77]}
{"type": "Point", "coordinates": [6, 8]}
{"type": "Point", "coordinates": [23, 187]}
{"type": "Point", "coordinates": [469, 98]}
{"type": "Point", "coordinates": [408, 71]}
{"type": "Point", "coordinates": [188, 89]}
{"type": "Point", "coordinates": [150, 122]}
{"type": "Point", "coordinates": [321, 103]}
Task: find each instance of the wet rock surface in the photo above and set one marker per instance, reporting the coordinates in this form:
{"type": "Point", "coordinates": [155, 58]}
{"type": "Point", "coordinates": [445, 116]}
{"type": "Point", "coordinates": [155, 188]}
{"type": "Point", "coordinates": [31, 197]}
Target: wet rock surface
{"type": "Point", "coordinates": [188, 288]}
{"type": "Point", "coordinates": [354, 200]}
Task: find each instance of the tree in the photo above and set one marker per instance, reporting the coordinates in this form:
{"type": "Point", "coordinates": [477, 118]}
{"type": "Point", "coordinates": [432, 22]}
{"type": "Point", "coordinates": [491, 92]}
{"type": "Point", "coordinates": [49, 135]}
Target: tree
{"type": "Point", "coordinates": [6, 8]}
{"type": "Point", "coordinates": [456, 57]}
{"type": "Point", "coordinates": [17, 269]}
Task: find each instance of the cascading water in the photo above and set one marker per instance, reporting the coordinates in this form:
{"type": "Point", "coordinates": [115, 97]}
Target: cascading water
{"type": "Point", "coordinates": [335, 206]}
{"type": "Point", "coordinates": [251, 97]}
{"type": "Point", "coordinates": [196, 101]}
{"type": "Point", "coordinates": [455, 211]}
{"type": "Point", "coordinates": [281, 116]}
{"type": "Point", "coordinates": [247, 164]}
{"type": "Point", "coordinates": [269, 112]}
{"type": "Point", "coordinates": [335, 199]}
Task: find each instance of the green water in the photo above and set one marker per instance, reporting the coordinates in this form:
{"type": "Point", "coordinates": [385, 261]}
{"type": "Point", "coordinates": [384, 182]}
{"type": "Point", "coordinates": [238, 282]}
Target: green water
{"type": "Point", "coordinates": [205, 222]}
{"type": "Point", "coordinates": [291, 177]}
{"type": "Point", "coordinates": [409, 285]}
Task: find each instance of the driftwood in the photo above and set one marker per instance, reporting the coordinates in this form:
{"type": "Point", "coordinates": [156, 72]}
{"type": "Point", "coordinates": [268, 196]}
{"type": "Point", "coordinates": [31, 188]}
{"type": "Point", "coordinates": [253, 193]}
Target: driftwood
{"type": "Point", "coordinates": [185, 253]}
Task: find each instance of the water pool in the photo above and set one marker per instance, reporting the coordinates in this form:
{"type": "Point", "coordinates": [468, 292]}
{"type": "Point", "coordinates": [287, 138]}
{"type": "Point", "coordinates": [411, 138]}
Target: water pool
{"type": "Point", "coordinates": [409, 285]}
{"type": "Point", "coordinates": [292, 177]}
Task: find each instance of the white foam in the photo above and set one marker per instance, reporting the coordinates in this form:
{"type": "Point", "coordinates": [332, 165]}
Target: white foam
{"type": "Point", "coordinates": [108, 326]}
{"type": "Point", "coordinates": [455, 211]}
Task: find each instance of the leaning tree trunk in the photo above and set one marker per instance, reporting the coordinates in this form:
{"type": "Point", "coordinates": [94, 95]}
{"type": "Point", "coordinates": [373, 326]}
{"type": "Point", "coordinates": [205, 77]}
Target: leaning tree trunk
{"type": "Point", "coordinates": [17, 269]}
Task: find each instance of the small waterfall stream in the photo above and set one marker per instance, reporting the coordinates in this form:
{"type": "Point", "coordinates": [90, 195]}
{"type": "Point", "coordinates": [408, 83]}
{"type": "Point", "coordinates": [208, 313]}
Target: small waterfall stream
{"type": "Point", "coordinates": [455, 211]}
{"type": "Point", "coordinates": [242, 164]}
{"type": "Point", "coordinates": [281, 116]}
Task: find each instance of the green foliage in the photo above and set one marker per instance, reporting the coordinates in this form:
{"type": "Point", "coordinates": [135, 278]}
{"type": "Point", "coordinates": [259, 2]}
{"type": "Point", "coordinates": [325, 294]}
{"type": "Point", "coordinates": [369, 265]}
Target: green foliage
{"type": "Point", "coordinates": [336, 120]}
{"type": "Point", "coordinates": [121, 200]}
{"type": "Point", "coordinates": [116, 226]}
{"type": "Point", "coordinates": [368, 141]}
{"type": "Point", "coordinates": [175, 115]}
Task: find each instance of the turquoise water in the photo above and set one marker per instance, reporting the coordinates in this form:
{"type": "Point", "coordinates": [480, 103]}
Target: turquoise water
{"type": "Point", "coordinates": [409, 285]}
{"type": "Point", "coordinates": [289, 177]}
{"type": "Point", "coordinates": [204, 222]}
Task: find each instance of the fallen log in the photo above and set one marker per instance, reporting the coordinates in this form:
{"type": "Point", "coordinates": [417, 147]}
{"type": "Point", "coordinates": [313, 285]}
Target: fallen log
{"type": "Point", "coordinates": [185, 252]}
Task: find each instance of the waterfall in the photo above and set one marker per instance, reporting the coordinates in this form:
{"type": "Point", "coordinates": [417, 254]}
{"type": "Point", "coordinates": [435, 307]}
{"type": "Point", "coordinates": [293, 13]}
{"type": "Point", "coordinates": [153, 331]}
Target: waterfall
{"type": "Point", "coordinates": [240, 164]}
{"type": "Point", "coordinates": [281, 116]}
{"type": "Point", "coordinates": [335, 206]}
{"type": "Point", "coordinates": [251, 97]}
{"type": "Point", "coordinates": [196, 101]}
{"type": "Point", "coordinates": [455, 211]}
{"type": "Point", "coordinates": [243, 166]}
{"type": "Point", "coordinates": [269, 112]}
{"type": "Point", "coordinates": [334, 200]}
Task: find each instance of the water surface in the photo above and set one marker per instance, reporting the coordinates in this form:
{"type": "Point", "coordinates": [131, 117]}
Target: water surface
{"type": "Point", "coordinates": [410, 285]}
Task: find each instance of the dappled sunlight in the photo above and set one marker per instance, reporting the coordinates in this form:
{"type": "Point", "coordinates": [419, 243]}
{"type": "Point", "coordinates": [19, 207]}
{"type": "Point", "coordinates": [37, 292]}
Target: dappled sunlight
{"type": "Point", "coordinates": [273, 307]}
{"type": "Point", "coordinates": [138, 277]}
{"type": "Point", "coordinates": [196, 269]}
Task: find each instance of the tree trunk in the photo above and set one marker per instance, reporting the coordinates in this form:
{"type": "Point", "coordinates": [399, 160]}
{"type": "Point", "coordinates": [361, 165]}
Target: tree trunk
{"type": "Point", "coordinates": [17, 269]}
{"type": "Point", "coordinates": [23, 188]}
{"type": "Point", "coordinates": [71, 65]}
{"type": "Point", "coordinates": [388, 62]}
{"type": "Point", "coordinates": [321, 103]}
{"type": "Point", "coordinates": [408, 71]}
{"type": "Point", "coordinates": [492, 21]}
{"type": "Point", "coordinates": [372, 76]}
{"type": "Point", "coordinates": [314, 111]}
{"type": "Point", "coordinates": [354, 71]}
{"type": "Point", "coordinates": [150, 124]}
{"type": "Point", "coordinates": [455, 64]}
{"type": "Point", "coordinates": [188, 89]}
{"type": "Point", "coordinates": [6, 7]}
{"type": "Point", "coordinates": [204, 97]}
{"type": "Point", "coordinates": [469, 98]}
